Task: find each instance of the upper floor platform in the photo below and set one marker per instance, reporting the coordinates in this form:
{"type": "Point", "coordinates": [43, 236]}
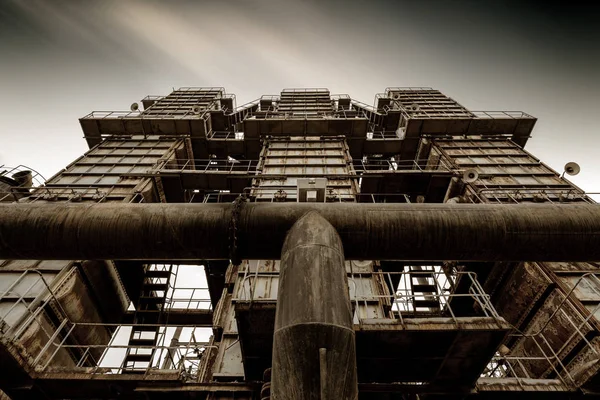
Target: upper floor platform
{"type": "Point", "coordinates": [393, 126]}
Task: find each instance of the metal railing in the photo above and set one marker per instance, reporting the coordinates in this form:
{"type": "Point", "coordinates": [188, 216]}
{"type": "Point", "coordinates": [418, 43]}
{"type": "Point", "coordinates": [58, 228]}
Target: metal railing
{"type": "Point", "coordinates": [182, 356]}
{"type": "Point", "coordinates": [178, 113]}
{"type": "Point", "coordinates": [206, 165]}
{"type": "Point", "coordinates": [517, 196]}
{"type": "Point", "coordinates": [501, 115]}
{"type": "Point", "coordinates": [409, 300]}
{"type": "Point", "coordinates": [178, 295]}
{"type": "Point", "coordinates": [70, 194]}
{"type": "Point", "coordinates": [13, 190]}
{"type": "Point", "coordinates": [406, 300]}
{"type": "Point", "coordinates": [512, 364]}
{"type": "Point", "coordinates": [361, 166]}
{"type": "Point", "coordinates": [254, 166]}
{"type": "Point", "coordinates": [225, 135]}
{"type": "Point", "coordinates": [28, 306]}
{"type": "Point", "coordinates": [60, 344]}
{"type": "Point", "coordinates": [259, 194]}
{"type": "Point", "coordinates": [188, 298]}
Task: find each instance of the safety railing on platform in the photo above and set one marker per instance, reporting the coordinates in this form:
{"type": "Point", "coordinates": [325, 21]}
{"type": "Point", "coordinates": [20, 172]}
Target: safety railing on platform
{"type": "Point", "coordinates": [70, 194]}
{"type": "Point", "coordinates": [362, 166]}
{"type": "Point", "coordinates": [466, 114]}
{"type": "Point", "coordinates": [179, 295]}
{"type": "Point", "coordinates": [513, 368]}
{"type": "Point", "coordinates": [225, 135]}
{"type": "Point", "coordinates": [61, 345]}
{"type": "Point", "coordinates": [519, 364]}
{"type": "Point", "coordinates": [516, 196]}
{"type": "Point", "coordinates": [501, 115]}
{"type": "Point", "coordinates": [189, 298]}
{"type": "Point", "coordinates": [421, 293]}
{"type": "Point", "coordinates": [205, 165]}
{"type": "Point", "coordinates": [287, 193]}
{"type": "Point", "coordinates": [232, 165]}
{"type": "Point", "coordinates": [183, 112]}
{"type": "Point", "coordinates": [153, 97]}
{"type": "Point", "coordinates": [182, 356]}
{"type": "Point", "coordinates": [426, 291]}
{"type": "Point", "coordinates": [18, 182]}
{"type": "Point", "coordinates": [24, 303]}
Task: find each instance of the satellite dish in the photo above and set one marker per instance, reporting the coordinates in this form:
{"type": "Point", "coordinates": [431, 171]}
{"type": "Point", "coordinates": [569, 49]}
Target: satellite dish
{"type": "Point", "coordinates": [470, 176]}
{"type": "Point", "coordinates": [196, 109]}
{"type": "Point", "coordinates": [415, 107]}
{"type": "Point", "coordinates": [396, 96]}
{"type": "Point", "coordinates": [572, 168]}
{"type": "Point", "coordinates": [134, 107]}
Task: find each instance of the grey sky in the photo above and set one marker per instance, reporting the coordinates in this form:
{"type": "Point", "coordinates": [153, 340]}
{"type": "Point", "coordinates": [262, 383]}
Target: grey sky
{"type": "Point", "coordinates": [61, 59]}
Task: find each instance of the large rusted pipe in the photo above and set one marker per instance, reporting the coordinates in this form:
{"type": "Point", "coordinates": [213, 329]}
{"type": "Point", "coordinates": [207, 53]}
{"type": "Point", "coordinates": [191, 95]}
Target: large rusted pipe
{"type": "Point", "coordinates": [314, 354]}
{"type": "Point", "coordinates": [419, 232]}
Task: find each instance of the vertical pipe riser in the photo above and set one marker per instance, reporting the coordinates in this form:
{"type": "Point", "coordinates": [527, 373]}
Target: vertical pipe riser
{"type": "Point", "coordinates": [314, 341]}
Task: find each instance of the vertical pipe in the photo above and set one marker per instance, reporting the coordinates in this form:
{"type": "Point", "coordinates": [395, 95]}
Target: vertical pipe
{"type": "Point", "coordinates": [169, 361]}
{"type": "Point", "coordinates": [323, 372]}
{"type": "Point", "coordinates": [313, 346]}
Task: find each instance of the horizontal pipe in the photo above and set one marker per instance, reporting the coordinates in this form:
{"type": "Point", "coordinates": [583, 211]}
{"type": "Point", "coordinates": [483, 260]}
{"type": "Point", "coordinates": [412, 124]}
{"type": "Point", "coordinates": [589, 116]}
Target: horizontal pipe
{"type": "Point", "coordinates": [412, 232]}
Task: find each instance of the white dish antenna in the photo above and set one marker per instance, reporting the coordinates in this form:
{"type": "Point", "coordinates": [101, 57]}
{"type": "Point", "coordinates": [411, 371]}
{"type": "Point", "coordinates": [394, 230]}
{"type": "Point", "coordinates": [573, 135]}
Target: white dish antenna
{"type": "Point", "coordinates": [572, 168]}
{"type": "Point", "coordinates": [470, 176]}
{"type": "Point", "coordinates": [196, 109]}
{"type": "Point", "coordinates": [134, 107]}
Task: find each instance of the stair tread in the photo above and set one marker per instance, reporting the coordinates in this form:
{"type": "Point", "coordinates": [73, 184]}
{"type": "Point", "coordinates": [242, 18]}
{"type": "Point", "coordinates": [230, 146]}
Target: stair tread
{"type": "Point", "coordinates": [142, 342]}
{"type": "Point", "coordinates": [138, 357]}
{"type": "Point", "coordinates": [155, 286]}
{"type": "Point", "coordinates": [422, 274]}
{"type": "Point", "coordinates": [133, 371]}
{"type": "Point", "coordinates": [424, 288]}
{"type": "Point", "coordinates": [426, 303]}
{"type": "Point", "coordinates": [145, 328]}
{"type": "Point", "coordinates": [152, 299]}
{"type": "Point", "coordinates": [157, 274]}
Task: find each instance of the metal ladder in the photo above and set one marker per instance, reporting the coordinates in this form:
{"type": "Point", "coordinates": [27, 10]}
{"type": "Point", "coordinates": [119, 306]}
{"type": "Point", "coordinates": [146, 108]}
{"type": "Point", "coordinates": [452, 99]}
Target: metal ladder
{"type": "Point", "coordinates": [423, 288]}
{"type": "Point", "coordinates": [145, 332]}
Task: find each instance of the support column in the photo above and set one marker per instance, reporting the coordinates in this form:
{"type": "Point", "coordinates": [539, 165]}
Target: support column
{"type": "Point", "coordinates": [314, 352]}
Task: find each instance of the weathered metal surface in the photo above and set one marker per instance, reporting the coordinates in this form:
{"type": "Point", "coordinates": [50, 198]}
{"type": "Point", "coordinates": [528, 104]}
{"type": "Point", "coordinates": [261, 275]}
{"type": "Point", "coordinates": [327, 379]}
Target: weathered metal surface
{"type": "Point", "coordinates": [469, 232]}
{"type": "Point", "coordinates": [228, 365]}
{"type": "Point", "coordinates": [584, 367]}
{"type": "Point", "coordinates": [526, 284]}
{"type": "Point", "coordinates": [441, 351]}
{"type": "Point", "coordinates": [557, 328]}
{"type": "Point", "coordinates": [313, 321]}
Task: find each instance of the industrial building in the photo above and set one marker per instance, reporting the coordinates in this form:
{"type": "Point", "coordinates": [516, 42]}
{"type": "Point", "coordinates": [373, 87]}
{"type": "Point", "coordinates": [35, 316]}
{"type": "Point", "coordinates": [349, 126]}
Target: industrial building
{"type": "Point", "coordinates": [304, 245]}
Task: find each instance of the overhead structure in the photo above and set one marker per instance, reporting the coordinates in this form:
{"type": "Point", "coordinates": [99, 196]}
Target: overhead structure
{"type": "Point", "coordinates": [304, 245]}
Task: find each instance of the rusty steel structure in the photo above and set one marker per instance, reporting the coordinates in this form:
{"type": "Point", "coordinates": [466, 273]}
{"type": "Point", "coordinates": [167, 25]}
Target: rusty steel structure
{"type": "Point", "coordinates": [301, 246]}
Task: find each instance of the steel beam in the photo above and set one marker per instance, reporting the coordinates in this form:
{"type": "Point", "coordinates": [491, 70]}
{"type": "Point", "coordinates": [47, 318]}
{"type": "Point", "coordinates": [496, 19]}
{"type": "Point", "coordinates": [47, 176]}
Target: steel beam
{"type": "Point", "coordinates": [417, 232]}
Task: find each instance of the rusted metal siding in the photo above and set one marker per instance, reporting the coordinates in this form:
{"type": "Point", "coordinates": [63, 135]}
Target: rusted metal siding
{"type": "Point", "coordinates": [556, 329]}
{"type": "Point", "coordinates": [526, 284]}
{"type": "Point", "coordinates": [507, 173]}
{"type": "Point", "coordinates": [297, 157]}
{"type": "Point", "coordinates": [108, 171]}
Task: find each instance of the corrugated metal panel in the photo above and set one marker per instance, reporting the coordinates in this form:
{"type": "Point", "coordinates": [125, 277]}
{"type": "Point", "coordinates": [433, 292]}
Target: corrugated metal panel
{"type": "Point", "coordinates": [303, 157]}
